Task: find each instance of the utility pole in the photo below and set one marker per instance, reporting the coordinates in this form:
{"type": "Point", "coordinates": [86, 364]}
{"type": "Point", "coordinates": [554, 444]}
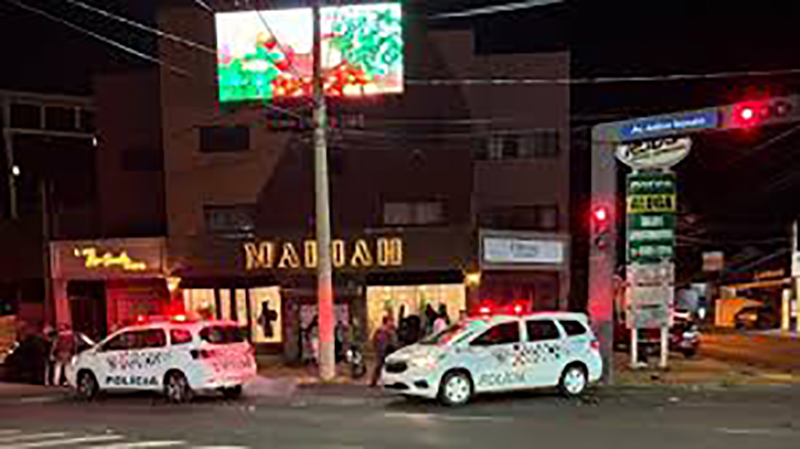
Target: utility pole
{"type": "Point", "coordinates": [327, 363]}
{"type": "Point", "coordinates": [10, 163]}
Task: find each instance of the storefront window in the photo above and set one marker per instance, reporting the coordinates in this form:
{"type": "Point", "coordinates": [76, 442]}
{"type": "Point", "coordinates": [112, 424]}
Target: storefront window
{"type": "Point", "coordinates": [265, 306]}
{"type": "Point", "coordinates": [201, 302]}
{"type": "Point", "coordinates": [383, 300]}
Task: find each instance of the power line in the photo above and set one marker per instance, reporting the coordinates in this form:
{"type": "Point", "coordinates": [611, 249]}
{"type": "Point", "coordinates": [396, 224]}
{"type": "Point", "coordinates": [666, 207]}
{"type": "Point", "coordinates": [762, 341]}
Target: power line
{"type": "Point", "coordinates": [488, 10]}
{"type": "Point", "coordinates": [432, 82]}
{"type": "Point", "coordinates": [141, 26]}
{"type": "Point", "coordinates": [202, 4]}
{"type": "Point", "coordinates": [99, 37]}
{"type": "Point", "coordinates": [600, 80]}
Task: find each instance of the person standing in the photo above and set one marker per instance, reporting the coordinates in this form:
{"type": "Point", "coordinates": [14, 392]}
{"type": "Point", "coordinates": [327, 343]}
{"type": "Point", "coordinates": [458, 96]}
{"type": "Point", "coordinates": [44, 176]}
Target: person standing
{"type": "Point", "coordinates": [442, 320]}
{"type": "Point", "coordinates": [384, 342]}
{"type": "Point", "coordinates": [63, 350]}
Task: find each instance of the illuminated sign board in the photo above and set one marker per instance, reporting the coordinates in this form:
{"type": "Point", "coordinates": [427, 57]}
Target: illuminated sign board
{"type": "Point", "coordinates": [666, 125]}
{"type": "Point", "coordinates": [264, 55]}
{"type": "Point", "coordinates": [93, 260]}
{"type": "Point", "coordinates": [382, 252]}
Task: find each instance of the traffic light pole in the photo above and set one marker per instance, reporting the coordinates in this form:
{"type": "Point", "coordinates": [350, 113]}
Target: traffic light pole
{"type": "Point", "coordinates": [327, 363]}
{"type": "Point", "coordinates": [606, 138]}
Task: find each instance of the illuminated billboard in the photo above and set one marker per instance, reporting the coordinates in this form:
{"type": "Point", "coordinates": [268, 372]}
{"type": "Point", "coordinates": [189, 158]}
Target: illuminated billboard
{"type": "Point", "coordinates": [265, 55]}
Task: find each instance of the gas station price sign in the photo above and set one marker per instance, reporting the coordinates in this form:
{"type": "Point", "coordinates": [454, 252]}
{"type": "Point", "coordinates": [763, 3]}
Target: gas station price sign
{"type": "Point", "coordinates": [651, 208]}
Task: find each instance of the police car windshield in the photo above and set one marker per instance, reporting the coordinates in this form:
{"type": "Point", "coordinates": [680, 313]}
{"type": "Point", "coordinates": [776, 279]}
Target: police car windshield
{"type": "Point", "coordinates": [452, 334]}
{"type": "Point", "coordinates": [220, 335]}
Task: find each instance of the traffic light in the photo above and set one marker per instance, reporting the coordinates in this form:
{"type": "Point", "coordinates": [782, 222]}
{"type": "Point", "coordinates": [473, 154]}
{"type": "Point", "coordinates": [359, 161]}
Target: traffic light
{"type": "Point", "coordinates": [750, 114]}
{"type": "Point", "coordinates": [601, 227]}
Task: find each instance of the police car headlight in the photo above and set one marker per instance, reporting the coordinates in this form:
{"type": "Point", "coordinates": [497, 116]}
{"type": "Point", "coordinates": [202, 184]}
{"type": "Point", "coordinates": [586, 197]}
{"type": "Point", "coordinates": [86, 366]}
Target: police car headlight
{"type": "Point", "coordinates": [428, 362]}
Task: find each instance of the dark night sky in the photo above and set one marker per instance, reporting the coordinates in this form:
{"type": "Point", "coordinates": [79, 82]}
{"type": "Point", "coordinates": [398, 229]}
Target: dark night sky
{"type": "Point", "coordinates": [725, 180]}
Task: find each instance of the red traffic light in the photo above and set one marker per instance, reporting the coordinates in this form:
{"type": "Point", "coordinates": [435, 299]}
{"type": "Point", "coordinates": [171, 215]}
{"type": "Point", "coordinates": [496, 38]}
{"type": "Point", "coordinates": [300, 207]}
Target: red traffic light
{"type": "Point", "coordinates": [600, 215]}
{"type": "Point", "coordinates": [748, 114]}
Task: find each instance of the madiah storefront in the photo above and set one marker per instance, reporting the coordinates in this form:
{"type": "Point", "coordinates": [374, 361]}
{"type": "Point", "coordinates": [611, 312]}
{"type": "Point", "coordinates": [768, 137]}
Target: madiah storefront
{"type": "Point", "coordinates": [269, 286]}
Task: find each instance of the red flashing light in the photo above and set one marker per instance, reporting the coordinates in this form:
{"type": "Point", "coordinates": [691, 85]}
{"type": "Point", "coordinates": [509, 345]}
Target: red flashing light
{"type": "Point", "coordinates": [518, 309]}
{"type": "Point", "coordinates": [747, 114]}
{"type": "Point", "coordinates": [485, 310]}
{"type": "Point", "coordinates": [601, 214]}
{"type": "Point", "coordinates": [140, 319]}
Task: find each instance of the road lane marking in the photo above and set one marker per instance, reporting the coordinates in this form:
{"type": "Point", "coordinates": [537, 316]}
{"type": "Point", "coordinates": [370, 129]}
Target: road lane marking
{"type": "Point", "coordinates": [141, 445]}
{"type": "Point", "coordinates": [220, 447]}
{"type": "Point", "coordinates": [33, 436]}
{"type": "Point", "coordinates": [67, 441]}
{"type": "Point", "coordinates": [445, 417]}
{"type": "Point", "coordinates": [767, 432]}
{"type": "Point", "coordinates": [40, 399]}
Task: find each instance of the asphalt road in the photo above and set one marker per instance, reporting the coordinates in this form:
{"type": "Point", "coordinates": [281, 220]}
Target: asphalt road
{"type": "Point", "coordinates": [652, 418]}
{"type": "Point", "coordinates": [753, 348]}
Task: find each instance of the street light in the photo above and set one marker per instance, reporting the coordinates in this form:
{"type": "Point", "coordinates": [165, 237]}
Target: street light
{"type": "Point", "coordinates": [16, 171]}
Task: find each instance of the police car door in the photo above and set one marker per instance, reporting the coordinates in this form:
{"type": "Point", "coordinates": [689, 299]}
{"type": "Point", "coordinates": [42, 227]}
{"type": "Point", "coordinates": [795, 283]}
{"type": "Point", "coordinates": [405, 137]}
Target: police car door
{"type": "Point", "coordinates": [148, 361]}
{"type": "Point", "coordinates": [542, 353]}
{"type": "Point", "coordinates": [111, 360]}
{"type": "Point", "coordinates": [492, 358]}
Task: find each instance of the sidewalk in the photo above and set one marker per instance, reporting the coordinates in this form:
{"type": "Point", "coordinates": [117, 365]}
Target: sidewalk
{"type": "Point", "coordinates": [699, 371]}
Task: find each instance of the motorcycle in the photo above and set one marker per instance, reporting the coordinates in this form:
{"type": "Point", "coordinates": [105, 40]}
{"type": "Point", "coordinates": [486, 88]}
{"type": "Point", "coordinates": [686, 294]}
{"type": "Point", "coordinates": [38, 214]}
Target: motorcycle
{"type": "Point", "coordinates": [355, 359]}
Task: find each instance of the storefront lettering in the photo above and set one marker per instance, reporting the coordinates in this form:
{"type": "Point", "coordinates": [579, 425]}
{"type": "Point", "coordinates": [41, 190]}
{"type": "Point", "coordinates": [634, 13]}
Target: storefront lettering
{"type": "Point", "coordinates": [384, 252]}
{"type": "Point", "coordinates": [108, 260]}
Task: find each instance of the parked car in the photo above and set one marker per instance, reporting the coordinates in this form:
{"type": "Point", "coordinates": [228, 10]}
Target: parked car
{"type": "Point", "coordinates": [25, 360]}
{"type": "Point", "coordinates": [175, 356]}
{"type": "Point", "coordinates": [756, 317]}
{"type": "Point", "coordinates": [684, 337]}
{"type": "Point", "coordinates": [496, 354]}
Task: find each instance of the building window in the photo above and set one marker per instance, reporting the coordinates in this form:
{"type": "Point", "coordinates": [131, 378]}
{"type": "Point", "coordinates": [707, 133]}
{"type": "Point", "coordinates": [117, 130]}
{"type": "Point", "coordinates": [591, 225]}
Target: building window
{"type": "Point", "coordinates": [26, 116]}
{"type": "Point", "coordinates": [503, 147]}
{"type": "Point", "coordinates": [230, 221]}
{"type": "Point", "coordinates": [521, 218]}
{"type": "Point", "coordinates": [224, 139]}
{"type": "Point", "coordinates": [60, 119]}
{"type": "Point", "coordinates": [413, 214]}
{"type": "Point", "coordinates": [542, 144]}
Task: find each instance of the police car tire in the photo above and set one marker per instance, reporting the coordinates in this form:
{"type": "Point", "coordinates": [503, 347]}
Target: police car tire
{"type": "Point", "coordinates": [452, 376]}
{"type": "Point", "coordinates": [232, 392]}
{"type": "Point", "coordinates": [176, 388]}
{"type": "Point", "coordinates": [87, 387]}
{"type": "Point", "coordinates": [564, 384]}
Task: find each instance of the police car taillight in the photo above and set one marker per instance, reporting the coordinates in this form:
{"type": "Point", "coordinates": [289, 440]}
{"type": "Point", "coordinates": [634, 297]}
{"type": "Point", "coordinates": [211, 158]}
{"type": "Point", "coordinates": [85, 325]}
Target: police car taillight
{"type": "Point", "coordinates": [200, 354]}
{"type": "Point", "coordinates": [595, 344]}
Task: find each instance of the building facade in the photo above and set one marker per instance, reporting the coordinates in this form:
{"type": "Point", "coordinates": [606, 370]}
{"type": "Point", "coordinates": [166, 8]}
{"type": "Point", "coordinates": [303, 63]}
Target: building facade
{"type": "Point", "coordinates": [454, 196]}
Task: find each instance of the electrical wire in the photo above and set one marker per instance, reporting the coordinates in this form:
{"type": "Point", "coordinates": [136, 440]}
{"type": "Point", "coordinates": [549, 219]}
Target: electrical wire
{"type": "Point", "coordinates": [494, 9]}
{"type": "Point", "coordinates": [602, 79]}
{"type": "Point", "coordinates": [432, 82]}
{"type": "Point", "coordinates": [99, 37]}
{"type": "Point", "coordinates": [143, 27]}
{"type": "Point", "coordinates": [203, 5]}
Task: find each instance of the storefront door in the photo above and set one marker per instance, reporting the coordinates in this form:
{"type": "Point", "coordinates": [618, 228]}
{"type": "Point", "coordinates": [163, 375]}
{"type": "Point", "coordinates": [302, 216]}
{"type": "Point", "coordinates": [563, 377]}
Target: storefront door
{"type": "Point", "coordinates": [87, 300]}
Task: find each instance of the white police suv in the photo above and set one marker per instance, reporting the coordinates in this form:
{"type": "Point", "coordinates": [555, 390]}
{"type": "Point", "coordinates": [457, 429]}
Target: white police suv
{"type": "Point", "coordinates": [174, 356]}
{"type": "Point", "coordinates": [498, 353]}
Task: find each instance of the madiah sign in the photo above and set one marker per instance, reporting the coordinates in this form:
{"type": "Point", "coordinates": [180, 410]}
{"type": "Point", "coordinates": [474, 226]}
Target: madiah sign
{"type": "Point", "coordinates": [382, 252]}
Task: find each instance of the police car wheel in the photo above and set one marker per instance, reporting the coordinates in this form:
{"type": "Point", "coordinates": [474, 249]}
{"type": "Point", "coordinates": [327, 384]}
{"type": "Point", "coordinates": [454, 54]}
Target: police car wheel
{"type": "Point", "coordinates": [232, 392]}
{"type": "Point", "coordinates": [573, 381]}
{"type": "Point", "coordinates": [87, 385]}
{"type": "Point", "coordinates": [176, 388]}
{"type": "Point", "coordinates": [455, 389]}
